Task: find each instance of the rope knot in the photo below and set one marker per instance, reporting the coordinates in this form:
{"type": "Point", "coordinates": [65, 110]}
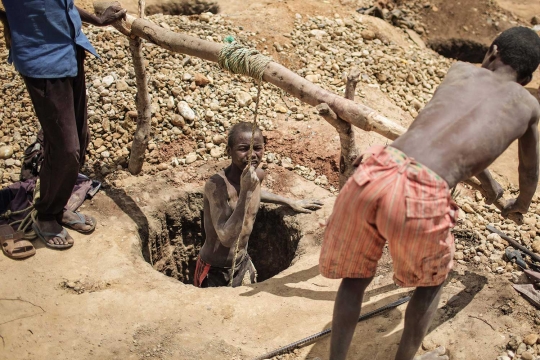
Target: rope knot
{"type": "Point", "coordinates": [237, 59]}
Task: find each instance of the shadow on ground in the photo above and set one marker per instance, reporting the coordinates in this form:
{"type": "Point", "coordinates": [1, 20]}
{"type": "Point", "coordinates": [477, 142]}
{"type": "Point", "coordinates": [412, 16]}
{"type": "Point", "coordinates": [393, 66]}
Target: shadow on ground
{"type": "Point", "coordinates": [374, 338]}
{"type": "Point", "coordinates": [130, 207]}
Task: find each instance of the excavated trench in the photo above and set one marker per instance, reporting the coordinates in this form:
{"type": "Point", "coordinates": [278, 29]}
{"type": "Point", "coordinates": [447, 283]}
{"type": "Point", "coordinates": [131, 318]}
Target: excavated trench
{"type": "Point", "coordinates": [176, 237]}
{"type": "Point", "coordinates": [460, 49]}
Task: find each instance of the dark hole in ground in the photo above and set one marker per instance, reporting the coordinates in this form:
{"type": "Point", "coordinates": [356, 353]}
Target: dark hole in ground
{"type": "Point", "coordinates": [174, 243]}
{"type": "Point", "coordinates": [460, 49]}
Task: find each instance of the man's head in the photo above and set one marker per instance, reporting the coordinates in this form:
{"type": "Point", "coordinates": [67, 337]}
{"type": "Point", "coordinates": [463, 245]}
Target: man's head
{"type": "Point", "coordinates": [238, 145]}
{"type": "Point", "coordinates": [517, 47]}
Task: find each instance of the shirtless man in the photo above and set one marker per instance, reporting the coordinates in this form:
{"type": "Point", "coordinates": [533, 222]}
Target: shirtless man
{"type": "Point", "coordinates": [231, 202]}
{"type": "Point", "coordinates": [401, 193]}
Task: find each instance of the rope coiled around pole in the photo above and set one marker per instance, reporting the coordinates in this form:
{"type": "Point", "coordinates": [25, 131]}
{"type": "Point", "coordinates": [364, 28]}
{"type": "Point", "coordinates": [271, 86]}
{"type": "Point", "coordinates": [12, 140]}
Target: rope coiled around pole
{"type": "Point", "coordinates": [238, 59]}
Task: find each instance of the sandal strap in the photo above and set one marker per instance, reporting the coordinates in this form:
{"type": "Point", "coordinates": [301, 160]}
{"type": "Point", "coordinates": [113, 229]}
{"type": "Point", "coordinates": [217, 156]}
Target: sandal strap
{"type": "Point", "coordinates": [82, 219]}
{"type": "Point", "coordinates": [62, 234]}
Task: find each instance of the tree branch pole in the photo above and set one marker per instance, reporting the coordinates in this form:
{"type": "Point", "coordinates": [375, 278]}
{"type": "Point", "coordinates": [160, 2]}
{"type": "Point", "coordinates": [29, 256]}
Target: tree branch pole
{"type": "Point", "coordinates": [349, 151]}
{"type": "Point", "coordinates": [355, 114]}
{"type": "Point", "coordinates": [358, 115]}
{"type": "Point", "coordinates": [144, 113]}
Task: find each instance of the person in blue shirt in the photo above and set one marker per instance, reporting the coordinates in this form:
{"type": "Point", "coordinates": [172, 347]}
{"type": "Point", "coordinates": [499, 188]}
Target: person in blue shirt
{"type": "Point", "coordinates": [48, 47]}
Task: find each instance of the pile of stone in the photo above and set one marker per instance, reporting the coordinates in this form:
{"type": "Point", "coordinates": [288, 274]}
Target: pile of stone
{"type": "Point", "coordinates": [477, 246]}
{"type": "Point", "coordinates": [527, 348]}
{"type": "Point", "coordinates": [193, 99]}
{"type": "Point", "coordinates": [409, 14]}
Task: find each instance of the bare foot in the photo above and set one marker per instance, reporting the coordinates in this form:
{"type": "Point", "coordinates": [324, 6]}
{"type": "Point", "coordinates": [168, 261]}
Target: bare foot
{"type": "Point", "coordinates": [74, 221]}
{"type": "Point", "coordinates": [437, 354]}
{"type": "Point", "coordinates": [53, 227]}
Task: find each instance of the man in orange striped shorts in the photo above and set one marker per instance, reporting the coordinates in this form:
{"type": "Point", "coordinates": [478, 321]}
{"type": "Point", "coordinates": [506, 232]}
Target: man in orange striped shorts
{"type": "Point", "coordinates": [400, 194]}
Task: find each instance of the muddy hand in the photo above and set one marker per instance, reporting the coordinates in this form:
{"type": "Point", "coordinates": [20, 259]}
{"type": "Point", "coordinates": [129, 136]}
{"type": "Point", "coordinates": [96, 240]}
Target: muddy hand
{"type": "Point", "coordinates": [249, 180]}
{"type": "Point", "coordinates": [112, 14]}
{"type": "Point", "coordinates": [493, 192]}
{"type": "Point", "coordinates": [358, 161]}
{"type": "Point", "coordinates": [306, 206]}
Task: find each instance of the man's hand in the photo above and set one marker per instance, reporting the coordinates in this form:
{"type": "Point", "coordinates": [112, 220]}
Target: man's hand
{"type": "Point", "coordinates": [111, 15]}
{"type": "Point", "coordinates": [305, 206]}
{"type": "Point", "coordinates": [514, 206]}
{"type": "Point", "coordinates": [249, 179]}
{"type": "Point", "coordinates": [493, 192]}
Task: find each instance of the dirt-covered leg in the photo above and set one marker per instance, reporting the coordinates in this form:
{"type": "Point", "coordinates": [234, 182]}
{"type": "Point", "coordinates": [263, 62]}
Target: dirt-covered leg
{"type": "Point", "coordinates": [346, 312]}
{"type": "Point", "coordinates": [418, 317]}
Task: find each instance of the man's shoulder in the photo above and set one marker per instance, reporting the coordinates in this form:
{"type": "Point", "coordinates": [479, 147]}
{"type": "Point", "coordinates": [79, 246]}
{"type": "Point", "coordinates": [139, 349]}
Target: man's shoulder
{"type": "Point", "coordinates": [523, 96]}
{"type": "Point", "coordinates": [214, 181]}
{"type": "Point", "coordinates": [464, 69]}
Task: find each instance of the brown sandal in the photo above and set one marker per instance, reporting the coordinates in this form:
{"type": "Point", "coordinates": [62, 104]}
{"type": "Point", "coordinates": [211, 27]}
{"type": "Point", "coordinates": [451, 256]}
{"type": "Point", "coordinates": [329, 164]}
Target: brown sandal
{"type": "Point", "coordinates": [13, 244]}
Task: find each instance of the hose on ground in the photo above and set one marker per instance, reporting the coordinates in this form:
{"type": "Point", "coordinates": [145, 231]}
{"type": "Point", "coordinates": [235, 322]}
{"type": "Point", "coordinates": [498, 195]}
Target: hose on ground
{"type": "Point", "coordinates": [312, 338]}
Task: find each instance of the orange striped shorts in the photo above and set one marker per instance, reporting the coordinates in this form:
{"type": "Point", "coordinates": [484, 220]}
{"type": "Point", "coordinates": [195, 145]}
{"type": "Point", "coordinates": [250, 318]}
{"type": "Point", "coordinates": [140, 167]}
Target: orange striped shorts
{"type": "Point", "coordinates": [393, 198]}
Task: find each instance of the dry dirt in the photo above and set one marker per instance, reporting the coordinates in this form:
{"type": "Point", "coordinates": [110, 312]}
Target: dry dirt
{"type": "Point", "coordinates": [102, 300]}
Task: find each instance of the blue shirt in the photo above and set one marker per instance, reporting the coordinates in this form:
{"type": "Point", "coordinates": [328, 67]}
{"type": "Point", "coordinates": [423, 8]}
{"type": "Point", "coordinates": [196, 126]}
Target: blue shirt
{"type": "Point", "coordinates": [44, 37]}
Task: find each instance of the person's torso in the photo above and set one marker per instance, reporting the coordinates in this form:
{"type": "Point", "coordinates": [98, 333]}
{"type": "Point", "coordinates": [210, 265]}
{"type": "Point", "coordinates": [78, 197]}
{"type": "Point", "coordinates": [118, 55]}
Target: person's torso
{"type": "Point", "coordinates": [45, 35]}
{"type": "Point", "coordinates": [213, 251]}
{"type": "Point", "coordinates": [472, 118]}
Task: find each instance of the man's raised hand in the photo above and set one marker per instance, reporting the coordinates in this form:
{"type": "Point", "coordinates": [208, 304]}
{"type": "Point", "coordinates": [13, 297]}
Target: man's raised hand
{"type": "Point", "coordinates": [249, 180]}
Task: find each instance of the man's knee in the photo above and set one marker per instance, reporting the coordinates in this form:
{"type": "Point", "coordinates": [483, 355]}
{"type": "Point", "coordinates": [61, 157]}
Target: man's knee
{"type": "Point", "coordinates": [67, 155]}
{"type": "Point", "coordinates": [356, 285]}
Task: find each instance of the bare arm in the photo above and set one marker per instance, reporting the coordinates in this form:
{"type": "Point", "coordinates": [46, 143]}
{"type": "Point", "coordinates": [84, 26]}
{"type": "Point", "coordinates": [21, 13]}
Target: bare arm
{"type": "Point", "coordinates": [271, 198]}
{"type": "Point", "coordinates": [227, 223]}
{"type": "Point", "coordinates": [493, 190]}
{"type": "Point", "coordinates": [528, 169]}
{"type": "Point", "coordinates": [303, 206]}
{"type": "Point", "coordinates": [109, 16]}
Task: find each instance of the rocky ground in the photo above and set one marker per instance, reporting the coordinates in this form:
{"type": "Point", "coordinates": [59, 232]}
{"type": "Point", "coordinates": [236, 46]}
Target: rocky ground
{"type": "Point", "coordinates": [194, 103]}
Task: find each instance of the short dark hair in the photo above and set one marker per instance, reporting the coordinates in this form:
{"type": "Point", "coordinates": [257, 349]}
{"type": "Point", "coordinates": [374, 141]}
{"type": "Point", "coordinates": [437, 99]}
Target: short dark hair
{"type": "Point", "coordinates": [519, 47]}
{"type": "Point", "coordinates": [239, 128]}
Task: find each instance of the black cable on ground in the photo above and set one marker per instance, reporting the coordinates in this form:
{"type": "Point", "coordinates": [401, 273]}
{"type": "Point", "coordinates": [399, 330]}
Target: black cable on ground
{"type": "Point", "coordinates": [312, 338]}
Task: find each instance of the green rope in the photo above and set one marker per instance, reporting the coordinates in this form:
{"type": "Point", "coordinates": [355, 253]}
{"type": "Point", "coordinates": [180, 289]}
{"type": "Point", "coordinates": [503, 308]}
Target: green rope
{"type": "Point", "coordinates": [238, 59]}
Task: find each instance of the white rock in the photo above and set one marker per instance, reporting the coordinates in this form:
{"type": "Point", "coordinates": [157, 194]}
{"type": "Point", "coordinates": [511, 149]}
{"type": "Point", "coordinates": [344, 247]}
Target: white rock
{"type": "Point", "coordinates": [108, 80]}
{"type": "Point", "coordinates": [191, 158]}
{"type": "Point", "coordinates": [214, 106]}
{"type": "Point", "coordinates": [318, 34]}
{"type": "Point", "coordinates": [315, 78]}
{"type": "Point", "coordinates": [287, 163]}
{"type": "Point", "coordinates": [6, 152]}
{"type": "Point", "coordinates": [216, 152]}
{"type": "Point", "coordinates": [219, 139]}
{"type": "Point", "coordinates": [494, 238]}
{"type": "Point", "coordinates": [121, 85]}
{"type": "Point", "coordinates": [243, 98]}
{"type": "Point", "coordinates": [185, 111]}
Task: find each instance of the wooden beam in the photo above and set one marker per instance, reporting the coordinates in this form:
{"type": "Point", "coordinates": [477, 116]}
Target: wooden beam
{"type": "Point", "coordinates": [358, 115]}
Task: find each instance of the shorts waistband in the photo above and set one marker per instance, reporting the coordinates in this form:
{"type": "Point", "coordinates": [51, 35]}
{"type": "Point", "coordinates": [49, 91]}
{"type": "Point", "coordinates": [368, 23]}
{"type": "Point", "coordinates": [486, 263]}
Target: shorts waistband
{"type": "Point", "coordinates": [400, 157]}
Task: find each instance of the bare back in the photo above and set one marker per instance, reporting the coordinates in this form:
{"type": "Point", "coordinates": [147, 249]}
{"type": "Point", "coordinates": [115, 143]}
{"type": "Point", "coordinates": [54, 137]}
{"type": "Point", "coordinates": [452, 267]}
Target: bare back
{"type": "Point", "coordinates": [225, 198]}
{"type": "Point", "coordinates": [472, 118]}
